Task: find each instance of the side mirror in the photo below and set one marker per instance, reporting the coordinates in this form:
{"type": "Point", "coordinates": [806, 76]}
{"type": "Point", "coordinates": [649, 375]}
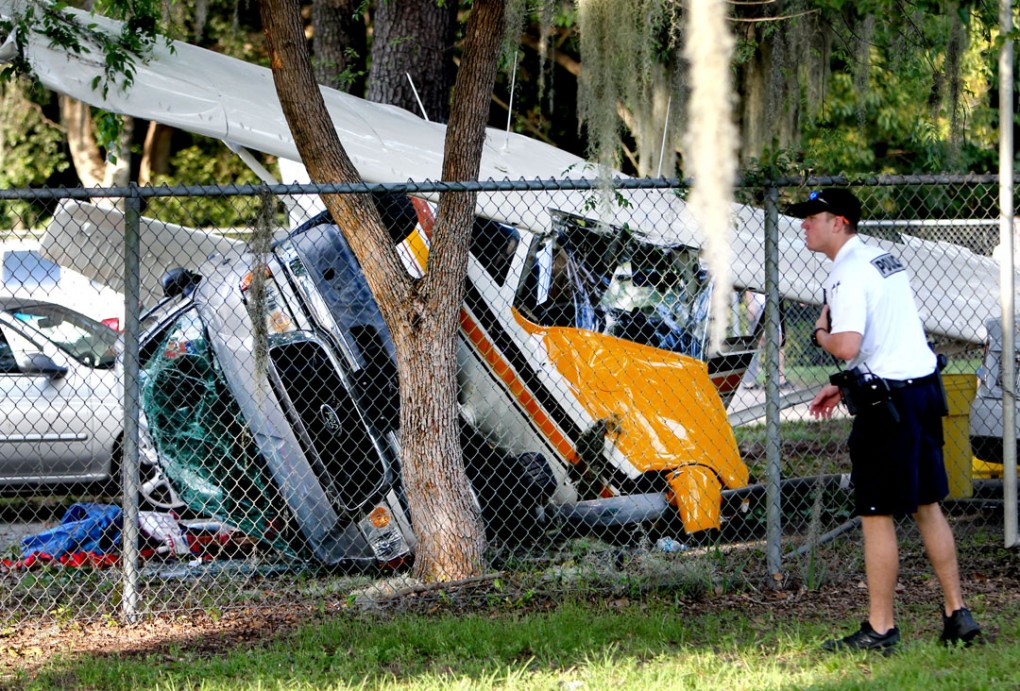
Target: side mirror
{"type": "Point", "coordinates": [179, 281]}
{"type": "Point", "coordinates": [41, 363]}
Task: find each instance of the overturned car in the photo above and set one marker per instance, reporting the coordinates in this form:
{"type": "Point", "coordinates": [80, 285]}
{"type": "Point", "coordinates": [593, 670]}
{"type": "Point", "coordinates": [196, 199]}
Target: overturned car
{"type": "Point", "coordinates": [303, 454]}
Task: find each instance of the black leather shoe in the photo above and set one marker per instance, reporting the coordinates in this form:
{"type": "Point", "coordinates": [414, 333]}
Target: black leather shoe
{"type": "Point", "coordinates": [865, 639]}
{"type": "Point", "coordinates": [960, 628]}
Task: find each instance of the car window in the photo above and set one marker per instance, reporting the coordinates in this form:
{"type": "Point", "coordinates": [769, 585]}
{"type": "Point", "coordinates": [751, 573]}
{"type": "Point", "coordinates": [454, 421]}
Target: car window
{"type": "Point", "coordinates": [8, 362]}
{"type": "Point", "coordinates": [20, 344]}
{"type": "Point", "coordinates": [84, 339]}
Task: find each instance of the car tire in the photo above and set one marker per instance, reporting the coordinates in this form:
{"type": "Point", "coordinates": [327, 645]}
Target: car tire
{"type": "Point", "coordinates": [155, 493]}
{"type": "Point", "coordinates": [537, 478]}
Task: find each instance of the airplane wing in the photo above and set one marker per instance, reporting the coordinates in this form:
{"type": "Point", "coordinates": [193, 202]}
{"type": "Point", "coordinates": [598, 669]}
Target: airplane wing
{"type": "Point", "coordinates": [956, 290]}
{"type": "Point", "coordinates": [217, 96]}
{"type": "Point", "coordinates": [90, 240]}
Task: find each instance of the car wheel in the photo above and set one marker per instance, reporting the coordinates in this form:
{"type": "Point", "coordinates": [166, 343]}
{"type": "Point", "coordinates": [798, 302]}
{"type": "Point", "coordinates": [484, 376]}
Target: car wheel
{"type": "Point", "coordinates": [537, 480]}
{"type": "Point", "coordinates": [155, 491]}
{"type": "Point", "coordinates": [525, 483]}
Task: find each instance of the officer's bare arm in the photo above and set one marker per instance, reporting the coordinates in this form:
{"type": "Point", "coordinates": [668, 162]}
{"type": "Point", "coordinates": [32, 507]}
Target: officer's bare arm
{"type": "Point", "coordinates": [844, 345]}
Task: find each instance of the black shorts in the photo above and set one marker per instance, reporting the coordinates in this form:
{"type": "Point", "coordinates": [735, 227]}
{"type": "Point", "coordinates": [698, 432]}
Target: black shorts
{"type": "Point", "coordinates": [898, 466]}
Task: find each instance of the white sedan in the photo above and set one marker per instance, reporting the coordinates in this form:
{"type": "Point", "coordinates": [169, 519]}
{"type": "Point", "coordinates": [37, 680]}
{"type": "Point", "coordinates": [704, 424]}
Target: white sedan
{"type": "Point", "coordinates": [61, 403]}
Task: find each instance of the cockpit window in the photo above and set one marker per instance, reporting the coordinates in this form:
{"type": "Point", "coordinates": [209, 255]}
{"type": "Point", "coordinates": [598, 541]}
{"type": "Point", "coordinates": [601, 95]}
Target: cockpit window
{"type": "Point", "coordinates": [612, 281]}
{"type": "Point", "coordinates": [493, 245]}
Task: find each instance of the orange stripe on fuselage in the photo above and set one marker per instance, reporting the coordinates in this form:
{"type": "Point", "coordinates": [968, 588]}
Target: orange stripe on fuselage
{"type": "Point", "coordinates": [426, 219]}
{"type": "Point", "coordinates": [485, 348]}
{"type": "Point", "coordinates": [517, 388]}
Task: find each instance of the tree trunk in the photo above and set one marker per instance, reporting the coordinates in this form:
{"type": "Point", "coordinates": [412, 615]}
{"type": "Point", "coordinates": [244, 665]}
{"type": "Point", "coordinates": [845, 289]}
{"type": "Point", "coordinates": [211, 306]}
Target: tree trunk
{"type": "Point", "coordinates": [414, 38]}
{"type": "Point", "coordinates": [339, 45]}
{"type": "Point", "coordinates": [422, 315]}
{"type": "Point", "coordinates": [155, 153]}
{"type": "Point", "coordinates": [92, 167]}
{"type": "Point", "coordinates": [118, 168]}
{"type": "Point", "coordinates": [85, 154]}
{"type": "Point", "coordinates": [447, 520]}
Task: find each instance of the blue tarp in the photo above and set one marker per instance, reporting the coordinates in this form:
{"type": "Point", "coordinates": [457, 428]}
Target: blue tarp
{"type": "Point", "coordinates": [85, 527]}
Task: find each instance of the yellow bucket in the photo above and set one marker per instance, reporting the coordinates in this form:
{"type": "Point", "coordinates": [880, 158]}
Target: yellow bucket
{"type": "Point", "coordinates": [960, 391]}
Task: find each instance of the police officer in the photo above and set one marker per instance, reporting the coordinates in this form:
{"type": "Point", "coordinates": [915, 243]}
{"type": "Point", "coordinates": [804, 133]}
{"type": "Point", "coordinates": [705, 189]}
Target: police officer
{"type": "Point", "coordinates": [870, 320]}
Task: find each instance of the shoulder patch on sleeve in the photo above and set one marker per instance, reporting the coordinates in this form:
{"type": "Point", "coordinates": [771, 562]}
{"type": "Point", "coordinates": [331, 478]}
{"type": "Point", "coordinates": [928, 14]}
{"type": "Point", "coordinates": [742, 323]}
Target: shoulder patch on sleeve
{"type": "Point", "coordinates": [888, 265]}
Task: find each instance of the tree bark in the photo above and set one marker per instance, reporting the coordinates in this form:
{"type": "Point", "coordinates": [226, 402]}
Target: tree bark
{"type": "Point", "coordinates": [339, 44]}
{"type": "Point", "coordinates": [93, 168]}
{"type": "Point", "coordinates": [118, 168]}
{"type": "Point", "coordinates": [155, 153]}
{"type": "Point", "coordinates": [422, 315]}
{"type": "Point", "coordinates": [431, 414]}
{"type": "Point", "coordinates": [86, 157]}
{"type": "Point", "coordinates": [413, 38]}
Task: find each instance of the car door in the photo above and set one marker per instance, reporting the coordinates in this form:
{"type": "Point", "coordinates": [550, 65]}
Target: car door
{"type": "Point", "coordinates": [47, 420]}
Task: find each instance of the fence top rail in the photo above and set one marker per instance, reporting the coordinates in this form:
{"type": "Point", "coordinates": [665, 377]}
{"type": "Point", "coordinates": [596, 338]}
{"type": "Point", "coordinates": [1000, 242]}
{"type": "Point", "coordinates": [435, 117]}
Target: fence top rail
{"type": "Point", "coordinates": [410, 186]}
{"type": "Point", "coordinates": [435, 186]}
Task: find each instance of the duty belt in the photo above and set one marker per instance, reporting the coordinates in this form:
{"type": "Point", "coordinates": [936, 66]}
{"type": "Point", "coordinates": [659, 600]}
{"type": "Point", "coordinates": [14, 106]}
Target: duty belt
{"type": "Point", "coordinates": [910, 383]}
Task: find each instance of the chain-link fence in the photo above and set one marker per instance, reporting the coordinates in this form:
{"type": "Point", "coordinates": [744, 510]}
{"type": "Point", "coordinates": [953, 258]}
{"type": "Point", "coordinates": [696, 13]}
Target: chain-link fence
{"type": "Point", "coordinates": [234, 434]}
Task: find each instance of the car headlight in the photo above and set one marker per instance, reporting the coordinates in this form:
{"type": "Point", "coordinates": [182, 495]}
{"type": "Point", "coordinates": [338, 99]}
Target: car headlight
{"type": "Point", "coordinates": [278, 321]}
{"type": "Point", "coordinates": [382, 533]}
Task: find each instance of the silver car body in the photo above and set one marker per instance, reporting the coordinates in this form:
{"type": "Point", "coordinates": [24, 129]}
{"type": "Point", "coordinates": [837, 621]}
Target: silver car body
{"type": "Point", "coordinates": [59, 426]}
{"type": "Point", "coordinates": [986, 409]}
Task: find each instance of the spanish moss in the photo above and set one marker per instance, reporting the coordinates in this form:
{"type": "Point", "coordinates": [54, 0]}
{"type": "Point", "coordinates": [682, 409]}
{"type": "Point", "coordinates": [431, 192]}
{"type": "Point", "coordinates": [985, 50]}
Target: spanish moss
{"type": "Point", "coordinates": [862, 66]}
{"type": "Point", "coordinates": [617, 56]}
{"type": "Point", "coordinates": [955, 47]}
{"type": "Point", "coordinates": [516, 15]}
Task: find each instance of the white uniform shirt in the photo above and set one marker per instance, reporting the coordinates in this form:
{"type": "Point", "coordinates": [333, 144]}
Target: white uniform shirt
{"type": "Point", "coordinates": [868, 291]}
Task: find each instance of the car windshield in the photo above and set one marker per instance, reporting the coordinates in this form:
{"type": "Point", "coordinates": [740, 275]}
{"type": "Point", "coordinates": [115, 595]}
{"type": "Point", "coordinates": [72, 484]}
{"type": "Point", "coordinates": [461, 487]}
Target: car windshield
{"type": "Point", "coordinates": [87, 341]}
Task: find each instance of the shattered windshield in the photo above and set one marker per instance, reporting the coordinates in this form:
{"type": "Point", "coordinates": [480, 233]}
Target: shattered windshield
{"type": "Point", "coordinates": [197, 428]}
{"type": "Point", "coordinates": [609, 280]}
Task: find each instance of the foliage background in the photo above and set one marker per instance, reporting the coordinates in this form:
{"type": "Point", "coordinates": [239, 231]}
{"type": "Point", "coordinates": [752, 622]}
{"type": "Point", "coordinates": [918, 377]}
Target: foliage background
{"type": "Point", "coordinates": [823, 86]}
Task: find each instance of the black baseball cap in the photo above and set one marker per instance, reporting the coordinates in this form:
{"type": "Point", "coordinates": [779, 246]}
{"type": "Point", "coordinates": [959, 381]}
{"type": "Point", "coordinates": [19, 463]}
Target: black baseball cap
{"type": "Point", "coordinates": [835, 200]}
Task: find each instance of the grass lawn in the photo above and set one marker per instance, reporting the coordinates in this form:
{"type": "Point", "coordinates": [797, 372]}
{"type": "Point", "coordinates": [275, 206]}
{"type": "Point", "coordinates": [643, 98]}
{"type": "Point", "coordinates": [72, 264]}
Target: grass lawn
{"type": "Point", "coordinates": [656, 643]}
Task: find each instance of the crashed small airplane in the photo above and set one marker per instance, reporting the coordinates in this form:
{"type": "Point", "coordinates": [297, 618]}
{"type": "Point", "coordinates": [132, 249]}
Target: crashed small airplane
{"type": "Point", "coordinates": [578, 316]}
{"type": "Point", "coordinates": [569, 380]}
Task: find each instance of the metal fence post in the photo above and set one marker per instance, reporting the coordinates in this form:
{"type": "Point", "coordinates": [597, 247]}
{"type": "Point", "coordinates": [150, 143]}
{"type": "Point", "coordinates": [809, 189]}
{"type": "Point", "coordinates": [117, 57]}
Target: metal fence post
{"type": "Point", "coordinates": [132, 291]}
{"type": "Point", "coordinates": [1006, 272]}
{"type": "Point", "coordinates": [773, 497]}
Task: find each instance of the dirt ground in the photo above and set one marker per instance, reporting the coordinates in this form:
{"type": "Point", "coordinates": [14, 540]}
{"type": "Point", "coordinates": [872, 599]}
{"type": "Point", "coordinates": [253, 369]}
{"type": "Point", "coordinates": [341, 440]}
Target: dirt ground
{"type": "Point", "coordinates": [991, 574]}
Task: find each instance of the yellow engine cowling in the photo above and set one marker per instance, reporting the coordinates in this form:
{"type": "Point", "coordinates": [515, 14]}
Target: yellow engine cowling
{"type": "Point", "coordinates": [667, 415]}
{"type": "Point", "coordinates": [696, 493]}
